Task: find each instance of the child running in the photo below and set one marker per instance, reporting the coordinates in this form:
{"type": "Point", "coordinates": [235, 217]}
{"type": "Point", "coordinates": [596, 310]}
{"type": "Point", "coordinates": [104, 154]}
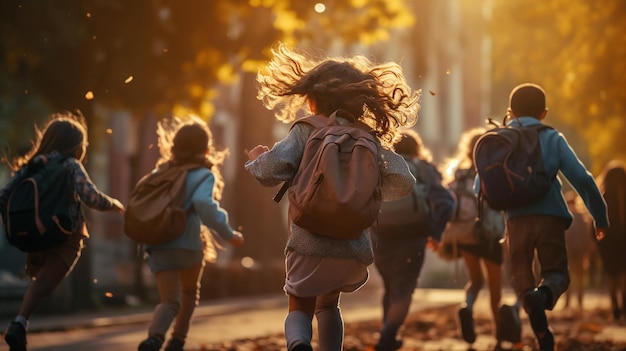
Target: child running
{"type": "Point", "coordinates": [178, 264]}
{"type": "Point", "coordinates": [320, 268]}
{"type": "Point", "coordinates": [65, 135]}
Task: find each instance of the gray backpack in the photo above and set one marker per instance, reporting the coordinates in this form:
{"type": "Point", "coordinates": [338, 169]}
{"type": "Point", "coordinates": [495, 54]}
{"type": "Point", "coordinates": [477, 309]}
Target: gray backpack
{"type": "Point", "coordinates": [410, 215]}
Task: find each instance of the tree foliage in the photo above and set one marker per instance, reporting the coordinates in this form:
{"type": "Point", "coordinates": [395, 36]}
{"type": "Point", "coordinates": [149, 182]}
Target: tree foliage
{"type": "Point", "coordinates": [577, 51]}
{"type": "Point", "coordinates": [146, 55]}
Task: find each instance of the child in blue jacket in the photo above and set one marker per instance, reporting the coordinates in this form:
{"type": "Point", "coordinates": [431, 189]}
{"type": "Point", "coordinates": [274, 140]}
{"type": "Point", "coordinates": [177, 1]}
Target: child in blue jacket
{"type": "Point", "coordinates": [541, 226]}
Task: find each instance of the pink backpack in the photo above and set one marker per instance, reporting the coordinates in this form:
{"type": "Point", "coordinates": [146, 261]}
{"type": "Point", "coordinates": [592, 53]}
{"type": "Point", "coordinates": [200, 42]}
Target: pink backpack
{"type": "Point", "coordinates": [336, 189]}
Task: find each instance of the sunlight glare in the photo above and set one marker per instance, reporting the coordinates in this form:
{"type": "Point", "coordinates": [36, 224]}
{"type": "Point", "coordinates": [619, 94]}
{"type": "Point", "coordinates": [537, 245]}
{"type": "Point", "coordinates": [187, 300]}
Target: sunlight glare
{"type": "Point", "coordinates": [320, 7]}
{"type": "Point", "coordinates": [247, 262]}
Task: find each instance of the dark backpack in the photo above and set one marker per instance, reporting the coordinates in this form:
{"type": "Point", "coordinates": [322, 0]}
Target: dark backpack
{"type": "Point", "coordinates": [508, 161]}
{"type": "Point", "coordinates": [411, 214]}
{"type": "Point", "coordinates": [154, 214]}
{"type": "Point", "coordinates": [336, 190]}
{"type": "Point", "coordinates": [36, 216]}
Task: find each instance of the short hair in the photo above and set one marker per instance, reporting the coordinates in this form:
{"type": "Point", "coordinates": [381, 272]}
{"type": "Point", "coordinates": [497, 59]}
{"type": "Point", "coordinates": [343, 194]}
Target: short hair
{"type": "Point", "coordinates": [527, 99]}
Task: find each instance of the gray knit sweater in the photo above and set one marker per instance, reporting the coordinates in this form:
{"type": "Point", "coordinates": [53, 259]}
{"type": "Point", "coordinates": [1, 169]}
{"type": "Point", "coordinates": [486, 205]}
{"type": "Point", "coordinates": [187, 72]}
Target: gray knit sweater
{"type": "Point", "coordinates": [281, 163]}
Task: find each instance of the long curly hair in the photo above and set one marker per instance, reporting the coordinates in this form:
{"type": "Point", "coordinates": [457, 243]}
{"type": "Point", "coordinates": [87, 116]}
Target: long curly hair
{"type": "Point", "coordinates": [64, 132]}
{"type": "Point", "coordinates": [377, 95]}
{"type": "Point", "coordinates": [183, 141]}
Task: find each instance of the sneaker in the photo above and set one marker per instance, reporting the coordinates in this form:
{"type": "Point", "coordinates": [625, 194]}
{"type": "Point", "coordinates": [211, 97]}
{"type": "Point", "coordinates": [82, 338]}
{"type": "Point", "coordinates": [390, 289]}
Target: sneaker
{"type": "Point", "coordinates": [152, 343]}
{"type": "Point", "coordinates": [175, 345]}
{"type": "Point", "coordinates": [16, 337]}
{"type": "Point", "coordinates": [467, 325]}
{"type": "Point", "coordinates": [395, 345]}
{"type": "Point", "coordinates": [509, 326]}
{"type": "Point", "coordinates": [534, 304]}
{"type": "Point", "coordinates": [303, 346]}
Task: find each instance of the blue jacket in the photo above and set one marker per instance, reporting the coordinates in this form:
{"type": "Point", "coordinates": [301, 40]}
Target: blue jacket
{"type": "Point", "coordinates": [558, 156]}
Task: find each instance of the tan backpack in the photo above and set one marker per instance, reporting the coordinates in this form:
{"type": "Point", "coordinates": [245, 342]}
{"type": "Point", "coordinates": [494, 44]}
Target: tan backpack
{"type": "Point", "coordinates": [336, 189]}
{"type": "Point", "coordinates": [154, 214]}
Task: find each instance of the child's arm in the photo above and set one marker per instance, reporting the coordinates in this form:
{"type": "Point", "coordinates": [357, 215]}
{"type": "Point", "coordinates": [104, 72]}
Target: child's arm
{"type": "Point", "coordinates": [210, 212]}
{"type": "Point", "coordinates": [88, 192]}
{"type": "Point", "coordinates": [584, 184]}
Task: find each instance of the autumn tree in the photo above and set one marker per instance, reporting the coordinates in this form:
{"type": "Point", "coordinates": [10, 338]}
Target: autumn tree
{"type": "Point", "coordinates": [576, 50]}
{"type": "Point", "coordinates": [157, 58]}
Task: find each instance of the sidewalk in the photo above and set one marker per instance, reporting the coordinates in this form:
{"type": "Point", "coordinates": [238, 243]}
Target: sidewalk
{"type": "Point", "coordinates": [359, 306]}
{"type": "Point", "coordinates": [263, 316]}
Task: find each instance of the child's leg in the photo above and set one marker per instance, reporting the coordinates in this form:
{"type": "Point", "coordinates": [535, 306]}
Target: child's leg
{"type": "Point", "coordinates": [190, 286]}
{"type": "Point", "coordinates": [494, 276]}
{"type": "Point", "coordinates": [298, 323]}
{"type": "Point", "coordinates": [329, 321]}
{"type": "Point", "coordinates": [552, 255]}
{"type": "Point", "coordinates": [48, 277]}
{"type": "Point", "coordinates": [476, 278]}
{"type": "Point", "coordinates": [168, 284]}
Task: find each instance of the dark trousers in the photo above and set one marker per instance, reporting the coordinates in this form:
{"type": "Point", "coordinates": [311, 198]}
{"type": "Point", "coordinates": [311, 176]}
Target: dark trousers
{"type": "Point", "coordinates": [399, 262]}
{"type": "Point", "coordinates": [544, 235]}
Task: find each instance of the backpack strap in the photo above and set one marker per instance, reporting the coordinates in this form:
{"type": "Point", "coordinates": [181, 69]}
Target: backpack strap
{"type": "Point", "coordinates": [317, 122]}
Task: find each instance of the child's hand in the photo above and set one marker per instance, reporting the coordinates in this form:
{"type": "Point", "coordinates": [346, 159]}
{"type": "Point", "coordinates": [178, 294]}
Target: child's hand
{"type": "Point", "coordinates": [600, 233]}
{"type": "Point", "coordinates": [256, 151]}
{"type": "Point", "coordinates": [433, 244]}
{"type": "Point", "coordinates": [118, 206]}
{"type": "Point", "coordinates": [237, 239]}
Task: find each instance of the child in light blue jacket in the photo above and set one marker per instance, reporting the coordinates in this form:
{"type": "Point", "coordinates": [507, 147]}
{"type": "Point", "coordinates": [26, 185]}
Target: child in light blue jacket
{"type": "Point", "coordinates": [541, 226]}
{"type": "Point", "coordinates": [178, 264]}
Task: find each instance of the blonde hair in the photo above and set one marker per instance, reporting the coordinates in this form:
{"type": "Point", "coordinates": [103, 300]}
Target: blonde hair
{"type": "Point", "coordinates": [464, 155]}
{"type": "Point", "coordinates": [189, 140]}
{"type": "Point", "coordinates": [377, 95]}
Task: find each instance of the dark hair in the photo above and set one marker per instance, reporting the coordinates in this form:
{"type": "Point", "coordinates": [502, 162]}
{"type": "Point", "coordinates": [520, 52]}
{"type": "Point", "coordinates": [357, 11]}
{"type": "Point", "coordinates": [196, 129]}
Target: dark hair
{"type": "Point", "coordinates": [375, 94]}
{"type": "Point", "coordinates": [65, 133]}
{"type": "Point", "coordinates": [527, 99]}
{"type": "Point", "coordinates": [189, 140]}
{"type": "Point", "coordinates": [612, 182]}
{"type": "Point", "coordinates": [411, 144]}
{"type": "Point", "coordinates": [191, 143]}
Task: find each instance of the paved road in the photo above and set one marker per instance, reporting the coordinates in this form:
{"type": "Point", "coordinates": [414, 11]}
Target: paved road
{"type": "Point", "coordinates": [227, 320]}
{"type": "Point", "coordinates": [213, 322]}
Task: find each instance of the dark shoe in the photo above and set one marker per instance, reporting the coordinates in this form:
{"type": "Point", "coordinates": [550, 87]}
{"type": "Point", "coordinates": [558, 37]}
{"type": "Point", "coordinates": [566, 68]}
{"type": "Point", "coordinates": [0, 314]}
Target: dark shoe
{"type": "Point", "coordinates": [546, 340]}
{"type": "Point", "coordinates": [467, 325]}
{"type": "Point", "coordinates": [395, 345]}
{"type": "Point", "coordinates": [535, 304]}
{"type": "Point", "coordinates": [303, 346]}
{"type": "Point", "coordinates": [509, 326]}
{"type": "Point", "coordinates": [152, 343]}
{"type": "Point", "coordinates": [174, 345]}
{"type": "Point", "coordinates": [16, 337]}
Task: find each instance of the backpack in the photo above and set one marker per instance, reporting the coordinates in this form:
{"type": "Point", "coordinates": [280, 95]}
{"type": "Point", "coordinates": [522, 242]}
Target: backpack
{"type": "Point", "coordinates": [36, 216]}
{"type": "Point", "coordinates": [473, 222]}
{"type": "Point", "coordinates": [508, 161]}
{"type": "Point", "coordinates": [409, 215]}
{"type": "Point", "coordinates": [336, 190]}
{"type": "Point", "coordinates": [154, 214]}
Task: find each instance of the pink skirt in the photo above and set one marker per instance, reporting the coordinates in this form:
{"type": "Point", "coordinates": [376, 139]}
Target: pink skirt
{"type": "Point", "coordinates": [313, 276]}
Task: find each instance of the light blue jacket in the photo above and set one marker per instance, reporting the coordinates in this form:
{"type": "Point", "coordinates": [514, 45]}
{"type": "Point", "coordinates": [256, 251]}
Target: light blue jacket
{"type": "Point", "coordinates": [558, 156]}
{"type": "Point", "coordinates": [204, 210]}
